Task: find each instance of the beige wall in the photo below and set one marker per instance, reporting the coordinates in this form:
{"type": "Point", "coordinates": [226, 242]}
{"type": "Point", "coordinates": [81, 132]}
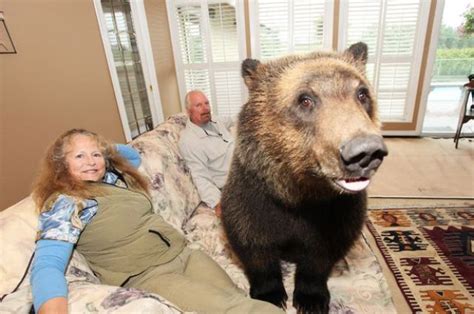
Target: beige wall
{"type": "Point", "coordinates": [2, 121]}
{"type": "Point", "coordinates": [160, 39]}
{"type": "Point", "coordinates": [58, 80]}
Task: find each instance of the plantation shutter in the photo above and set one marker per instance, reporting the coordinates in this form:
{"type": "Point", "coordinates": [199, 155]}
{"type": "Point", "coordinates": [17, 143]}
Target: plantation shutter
{"type": "Point", "coordinates": [280, 27]}
{"type": "Point", "coordinates": [209, 45]}
{"type": "Point", "coordinates": [393, 30]}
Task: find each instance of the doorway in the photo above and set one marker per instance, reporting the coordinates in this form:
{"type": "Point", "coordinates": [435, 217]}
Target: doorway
{"type": "Point", "coordinates": [454, 62]}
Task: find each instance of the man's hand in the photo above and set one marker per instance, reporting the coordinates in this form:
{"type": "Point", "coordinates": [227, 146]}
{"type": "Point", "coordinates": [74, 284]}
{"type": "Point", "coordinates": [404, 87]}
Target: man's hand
{"type": "Point", "coordinates": [218, 210]}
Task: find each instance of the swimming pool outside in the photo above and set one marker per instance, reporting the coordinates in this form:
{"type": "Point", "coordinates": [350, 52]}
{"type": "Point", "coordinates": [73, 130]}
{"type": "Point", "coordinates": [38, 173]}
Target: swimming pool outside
{"type": "Point", "coordinates": [443, 109]}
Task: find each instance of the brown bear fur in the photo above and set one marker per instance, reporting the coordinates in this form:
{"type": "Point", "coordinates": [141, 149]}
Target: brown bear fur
{"type": "Point", "coordinates": [310, 121]}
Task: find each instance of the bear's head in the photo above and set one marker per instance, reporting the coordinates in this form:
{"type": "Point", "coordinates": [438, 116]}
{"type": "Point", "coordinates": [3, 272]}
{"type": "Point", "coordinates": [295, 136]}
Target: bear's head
{"type": "Point", "coordinates": [310, 125]}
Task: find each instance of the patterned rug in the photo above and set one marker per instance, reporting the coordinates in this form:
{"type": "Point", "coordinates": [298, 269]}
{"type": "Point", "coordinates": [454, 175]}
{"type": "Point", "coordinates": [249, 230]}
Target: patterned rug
{"type": "Point", "coordinates": [430, 252]}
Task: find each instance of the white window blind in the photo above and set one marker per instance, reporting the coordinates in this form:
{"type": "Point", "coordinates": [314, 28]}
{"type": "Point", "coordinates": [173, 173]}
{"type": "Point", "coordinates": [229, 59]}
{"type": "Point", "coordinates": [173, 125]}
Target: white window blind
{"type": "Point", "coordinates": [393, 30]}
{"type": "Point", "coordinates": [280, 27]}
{"type": "Point", "coordinates": [209, 44]}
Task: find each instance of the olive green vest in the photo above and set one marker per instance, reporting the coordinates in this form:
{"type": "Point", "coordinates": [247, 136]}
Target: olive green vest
{"type": "Point", "coordinates": [125, 237]}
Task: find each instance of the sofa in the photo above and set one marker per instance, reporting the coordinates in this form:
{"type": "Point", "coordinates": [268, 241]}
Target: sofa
{"type": "Point", "coordinates": [357, 284]}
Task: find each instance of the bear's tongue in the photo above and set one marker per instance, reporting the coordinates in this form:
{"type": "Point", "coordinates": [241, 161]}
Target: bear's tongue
{"type": "Point", "coordinates": [354, 184]}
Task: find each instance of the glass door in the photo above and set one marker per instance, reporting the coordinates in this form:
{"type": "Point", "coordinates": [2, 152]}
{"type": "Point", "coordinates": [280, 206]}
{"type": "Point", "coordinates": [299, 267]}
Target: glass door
{"type": "Point", "coordinates": [395, 31]}
{"type": "Point", "coordinates": [454, 62]}
{"type": "Point", "coordinates": [126, 43]}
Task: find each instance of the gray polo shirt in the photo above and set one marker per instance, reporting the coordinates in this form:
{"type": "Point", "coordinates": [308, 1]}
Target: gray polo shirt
{"type": "Point", "coordinates": [208, 154]}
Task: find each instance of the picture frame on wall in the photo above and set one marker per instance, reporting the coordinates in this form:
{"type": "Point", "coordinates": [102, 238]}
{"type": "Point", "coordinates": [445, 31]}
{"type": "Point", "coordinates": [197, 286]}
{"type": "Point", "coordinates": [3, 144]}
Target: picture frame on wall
{"type": "Point", "coordinates": [6, 42]}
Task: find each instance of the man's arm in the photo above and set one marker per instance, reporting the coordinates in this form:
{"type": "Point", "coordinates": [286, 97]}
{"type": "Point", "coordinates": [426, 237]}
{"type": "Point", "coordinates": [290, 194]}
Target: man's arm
{"type": "Point", "coordinates": [196, 162]}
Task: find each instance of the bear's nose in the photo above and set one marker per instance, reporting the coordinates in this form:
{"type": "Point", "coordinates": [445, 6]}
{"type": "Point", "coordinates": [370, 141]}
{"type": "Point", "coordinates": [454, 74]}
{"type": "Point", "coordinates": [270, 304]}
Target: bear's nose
{"type": "Point", "coordinates": [362, 154]}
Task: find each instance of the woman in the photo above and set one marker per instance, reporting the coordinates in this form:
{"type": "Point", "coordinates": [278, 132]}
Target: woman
{"type": "Point", "coordinates": [93, 200]}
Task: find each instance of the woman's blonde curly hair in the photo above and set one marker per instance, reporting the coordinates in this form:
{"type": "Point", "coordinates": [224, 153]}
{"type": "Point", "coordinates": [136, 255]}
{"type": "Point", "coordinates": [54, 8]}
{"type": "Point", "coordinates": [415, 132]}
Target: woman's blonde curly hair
{"type": "Point", "coordinates": [54, 176]}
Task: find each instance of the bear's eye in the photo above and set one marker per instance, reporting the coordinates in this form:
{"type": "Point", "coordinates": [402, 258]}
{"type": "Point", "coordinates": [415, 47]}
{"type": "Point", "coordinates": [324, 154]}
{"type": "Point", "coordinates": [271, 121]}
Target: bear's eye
{"type": "Point", "coordinates": [363, 95]}
{"type": "Point", "coordinates": [306, 101]}
{"type": "Point", "coordinates": [364, 98]}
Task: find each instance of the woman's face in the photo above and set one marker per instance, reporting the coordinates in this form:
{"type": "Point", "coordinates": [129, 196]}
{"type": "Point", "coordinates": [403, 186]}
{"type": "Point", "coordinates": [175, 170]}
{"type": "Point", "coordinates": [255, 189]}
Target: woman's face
{"type": "Point", "coordinates": [84, 159]}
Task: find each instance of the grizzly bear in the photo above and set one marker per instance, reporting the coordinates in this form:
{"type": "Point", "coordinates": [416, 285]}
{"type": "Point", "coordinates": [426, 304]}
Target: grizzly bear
{"type": "Point", "coordinates": [308, 142]}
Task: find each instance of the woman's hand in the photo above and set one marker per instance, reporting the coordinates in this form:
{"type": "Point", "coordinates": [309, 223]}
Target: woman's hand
{"type": "Point", "coordinates": [54, 305]}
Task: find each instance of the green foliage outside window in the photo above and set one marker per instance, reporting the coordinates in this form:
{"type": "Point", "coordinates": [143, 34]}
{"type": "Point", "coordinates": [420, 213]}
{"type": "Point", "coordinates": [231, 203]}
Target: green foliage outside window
{"type": "Point", "coordinates": [454, 56]}
{"type": "Point", "coordinates": [468, 27]}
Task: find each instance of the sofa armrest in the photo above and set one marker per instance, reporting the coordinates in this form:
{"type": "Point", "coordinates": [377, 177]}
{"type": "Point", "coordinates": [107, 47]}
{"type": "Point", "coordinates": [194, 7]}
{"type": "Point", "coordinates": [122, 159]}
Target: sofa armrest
{"type": "Point", "coordinates": [18, 225]}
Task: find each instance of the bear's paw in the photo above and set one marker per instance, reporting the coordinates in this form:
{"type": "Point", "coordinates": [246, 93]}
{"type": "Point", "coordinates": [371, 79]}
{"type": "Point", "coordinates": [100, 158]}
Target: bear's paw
{"type": "Point", "coordinates": [274, 295]}
{"type": "Point", "coordinates": [316, 301]}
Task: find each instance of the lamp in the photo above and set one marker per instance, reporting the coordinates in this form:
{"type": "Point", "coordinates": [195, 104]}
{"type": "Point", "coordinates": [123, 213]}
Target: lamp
{"type": "Point", "coordinates": [6, 42]}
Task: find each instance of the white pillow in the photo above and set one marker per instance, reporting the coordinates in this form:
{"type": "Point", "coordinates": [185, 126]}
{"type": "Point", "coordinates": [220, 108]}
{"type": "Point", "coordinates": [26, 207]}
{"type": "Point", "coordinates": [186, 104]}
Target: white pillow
{"type": "Point", "coordinates": [18, 225]}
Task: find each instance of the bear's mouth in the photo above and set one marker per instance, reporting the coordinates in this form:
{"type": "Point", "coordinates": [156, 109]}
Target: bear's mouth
{"type": "Point", "coordinates": [353, 184]}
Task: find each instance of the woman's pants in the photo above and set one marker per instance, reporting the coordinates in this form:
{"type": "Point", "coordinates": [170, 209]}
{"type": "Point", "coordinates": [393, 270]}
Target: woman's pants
{"type": "Point", "coordinates": [195, 282]}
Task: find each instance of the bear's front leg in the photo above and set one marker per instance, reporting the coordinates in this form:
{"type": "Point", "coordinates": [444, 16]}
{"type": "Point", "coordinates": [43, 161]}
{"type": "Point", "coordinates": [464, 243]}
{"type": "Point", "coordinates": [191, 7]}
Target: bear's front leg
{"type": "Point", "coordinates": [311, 294]}
{"type": "Point", "coordinates": [264, 274]}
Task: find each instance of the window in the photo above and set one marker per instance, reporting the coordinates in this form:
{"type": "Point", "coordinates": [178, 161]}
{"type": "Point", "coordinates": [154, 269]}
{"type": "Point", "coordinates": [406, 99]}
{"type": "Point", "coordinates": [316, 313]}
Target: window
{"type": "Point", "coordinates": [393, 30]}
{"type": "Point", "coordinates": [209, 46]}
{"type": "Point", "coordinates": [122, 44]}
{"type": "Point", "coordinates": [454, 62]}
{"type": "Point", "coordinates": [209, 40]}
{"type": "Point", "coordinates": [280, 27]}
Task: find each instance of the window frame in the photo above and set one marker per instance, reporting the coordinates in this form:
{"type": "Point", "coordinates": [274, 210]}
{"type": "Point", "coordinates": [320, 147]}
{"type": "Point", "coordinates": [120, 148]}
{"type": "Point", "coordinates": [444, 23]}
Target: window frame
{"type": "Point", "coordinates": [210, 65]}
{"type": "Point", "coordinates": [254, 22]}
{"type": "Point", "coordinates": [408, 124]}
{"type": "Point", "coordinates": [334, 39]}
{"type": "Point", "coordinates": [140, 26]}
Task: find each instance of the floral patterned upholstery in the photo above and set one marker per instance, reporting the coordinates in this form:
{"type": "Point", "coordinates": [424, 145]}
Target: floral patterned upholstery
{"type": "Point", "coordinates": [174, 195]}
{"type": "Point", "coordinates": [357, 284]}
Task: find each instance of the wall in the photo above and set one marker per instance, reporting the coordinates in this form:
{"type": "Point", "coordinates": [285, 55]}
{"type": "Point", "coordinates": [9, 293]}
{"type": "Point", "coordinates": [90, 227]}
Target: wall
{"type": "Point", "coordinates": [58, 80]}
{"type": "Point", "coordinates": [2, 120]}
{"type": "Point", "coordinates": [160, 39]}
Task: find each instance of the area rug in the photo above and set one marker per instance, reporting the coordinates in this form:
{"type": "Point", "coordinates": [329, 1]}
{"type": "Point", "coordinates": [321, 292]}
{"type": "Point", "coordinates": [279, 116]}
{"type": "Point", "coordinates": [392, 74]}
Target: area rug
{"type": "Point", "coordinates": [430, 253]}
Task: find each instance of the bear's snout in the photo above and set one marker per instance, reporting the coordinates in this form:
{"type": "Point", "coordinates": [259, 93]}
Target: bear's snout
{"type": "Point", "coordinates": [362, 155]}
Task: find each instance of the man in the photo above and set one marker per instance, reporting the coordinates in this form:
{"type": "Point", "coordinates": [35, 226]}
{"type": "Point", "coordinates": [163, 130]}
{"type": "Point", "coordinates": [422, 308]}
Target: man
{"type": "Point", "coordinates": [207, 146]}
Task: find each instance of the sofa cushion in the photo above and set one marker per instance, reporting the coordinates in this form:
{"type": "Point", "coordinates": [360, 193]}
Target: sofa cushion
{"type": "Point", "coordinates": [357, 283]}
{"type": "Point", "coordinates": [172, 190]}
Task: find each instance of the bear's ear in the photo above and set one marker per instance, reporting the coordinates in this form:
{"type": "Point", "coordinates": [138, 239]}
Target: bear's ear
{"type": "Point", "coordinates": [249, 69]}
{"type": "Point", "coordinates": [358, 52]}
